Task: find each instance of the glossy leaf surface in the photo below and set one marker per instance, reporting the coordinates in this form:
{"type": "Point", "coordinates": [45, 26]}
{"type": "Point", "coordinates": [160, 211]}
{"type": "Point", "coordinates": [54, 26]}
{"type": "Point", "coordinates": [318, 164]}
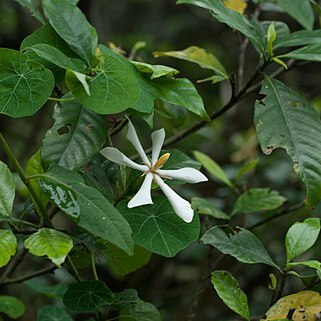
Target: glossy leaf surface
{"type": "Point", "coordinates": [8, 246]}
{"type": "Point", "coordinates": [7, 190]}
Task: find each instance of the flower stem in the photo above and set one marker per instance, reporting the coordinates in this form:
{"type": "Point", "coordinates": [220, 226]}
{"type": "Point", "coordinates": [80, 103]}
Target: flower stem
{"type": "Point", "coordinates": [42, 211]}
{"type": "Point", "coordinates": [61, 100]}
{"type": "Point", "coordinates": [93, 267]}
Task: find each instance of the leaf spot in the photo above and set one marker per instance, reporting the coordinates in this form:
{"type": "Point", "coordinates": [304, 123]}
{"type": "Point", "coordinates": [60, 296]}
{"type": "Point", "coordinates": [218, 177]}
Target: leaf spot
{"type": "Point", "coordinates": [64, 130]}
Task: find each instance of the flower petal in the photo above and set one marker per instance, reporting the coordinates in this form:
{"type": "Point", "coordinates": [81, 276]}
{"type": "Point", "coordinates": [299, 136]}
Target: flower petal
{"type": "Point", "coordinates": [186, 174]}
{"type": "Point", "coordinates": [133, 138]}
{"type": "Point", "coordinates": [181, 207]}
{"type": "Point", "coordinates": [143, 196]}
{"type": "Point", "coordinates": [114, 155]}
{"type": "Point", "coordinates": [158, 137]}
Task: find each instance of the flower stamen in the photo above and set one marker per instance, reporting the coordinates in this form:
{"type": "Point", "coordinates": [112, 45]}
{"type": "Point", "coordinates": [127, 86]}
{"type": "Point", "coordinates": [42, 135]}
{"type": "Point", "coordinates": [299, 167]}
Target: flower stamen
{"type": "Point", "coordinates": [161, 161]}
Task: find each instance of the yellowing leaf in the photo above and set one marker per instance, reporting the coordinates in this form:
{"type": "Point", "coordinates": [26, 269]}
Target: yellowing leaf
{"type": "Point", "coordinates": [301, 306]}
{"type": "Point", "coordinates": [236, 5]}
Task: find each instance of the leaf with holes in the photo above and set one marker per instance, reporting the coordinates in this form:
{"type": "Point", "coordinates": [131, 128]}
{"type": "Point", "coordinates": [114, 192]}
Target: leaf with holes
{"type": "Point", "coordinates": [53, 313]}
{"type": "Point", "coordinates": [87, 206]}
{"type": "Point", "coordinates": [8, 246]}
{"type": "Point", "coordinates": [72, 26]}
{"type": "Point", "coordinates": [258, 199]}
{"type": "Point", "coordinates": [7, 190]}
{"type": "Point", "coordinates": [11, 306]}
{"type": "Point", "coordinates": [158, 229]}
{"type": "Point", "coordinates": [228, 290]}
{"type": "Point", "coordinates": [54, 244]}
{"type": "Point", "coordinates": [300, 237]}
{"type": "Point", "coordinates": [76, 136]}
{"type": "Point", "coordinates": [87, 296]}
{"type": "Point", "coordinates": [25, 85]}
{"type": "Point", "coordinates": [242, 245]}
{"type": "Point", "coordinates": [284, 119]}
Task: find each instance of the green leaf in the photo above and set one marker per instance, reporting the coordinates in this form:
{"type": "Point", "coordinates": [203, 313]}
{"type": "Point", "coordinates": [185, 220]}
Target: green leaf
{"type": "Point", "coordinates": [310, 53]}
{"type": "Point", "coordinates": [228, 290]}
{"type": "Point", "coordinates": [52, 243]}
{"type": "Point", "coordinates": [298, 38]}
{"type": "Point", "coordinates": [56, 291]}
{"type": "Point", "coordinates": [203, 206]}
{"type": "Point", "coordinates": [8, 246]}
{"type": "Point", "coordinates": [300, 237]}
{"type": "Point", "coordinates": [213, 168]}
{"type": "Point", "coordinates": [300, 10]}
{"type": "Point", "coordinates": [284, 119]}
{"type": "Point", "coordinates": [132, 308]}
{"type": "Point", "coordinates": [87, 296]}
{"type": "Point", "coordinates": [246, 168]}
{"type": "Point", "coordinates": [72, 26]}
{"type": "Point", "coordinates": [11, 306]}
{"type": "Point", "coordinates": [116, 86]}
{"type": "Point", "coordinates": [33, 9]}
{"type": "Point", "coordinates": [258, 199]}
{"type": "Point", "coordinates": [11, 219]}
{"type": "Point", "coordinates": [158, 229]}
{"type": "Point", "coordinates": [76, 136]}
{"type": "Point", "coordinates": [7, 190]}
{"type": "Point", "coordinates": [178, 160]}
{"type": "Point", "coordinates": [53, 313]}
{"type": "Point", "coordinates": [25, 85]}
{"type": "Point", "coordinates": [242, 245]}
{"type": "Point", "coordinates": [180, 92]}
{"type": "Point", "coordinates": [155, 71]}
{"type": "Point", "coordinates": [121, 263]}
{"type": "Point", "coordinates": [230, 17]}
{"type": "Point", "coordinates": [92, 211]}
{"type": "Point", "coordinates": [56, 57]}
{"type": "Point", "coordinates": [199, 56]}
{"type": "Point", "coordinates": [312, 264]}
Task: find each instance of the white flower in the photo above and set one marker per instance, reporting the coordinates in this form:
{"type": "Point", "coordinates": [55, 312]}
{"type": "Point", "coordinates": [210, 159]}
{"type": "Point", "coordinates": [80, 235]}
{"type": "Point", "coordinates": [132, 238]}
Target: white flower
{"type": "Point", "coordinates": [152, 171]}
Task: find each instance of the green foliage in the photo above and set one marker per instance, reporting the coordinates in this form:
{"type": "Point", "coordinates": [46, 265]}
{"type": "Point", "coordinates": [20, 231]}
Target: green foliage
{"type": "Point", "coordinates": [7, 190]}
{"type": "Point", "coordinates": [8, 246]}
{"type": "Point", "coordinates": [228, 290]}
{"type": "Point", "coordinates": [11, 306]}
{"type": "Point", "coordinates": [203, 206]}
{"type": "Point", "coordinates": [53, 313]}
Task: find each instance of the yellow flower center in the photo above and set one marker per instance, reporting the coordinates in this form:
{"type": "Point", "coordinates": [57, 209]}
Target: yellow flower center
{"type": "Point", "coordinates": [160, 162]}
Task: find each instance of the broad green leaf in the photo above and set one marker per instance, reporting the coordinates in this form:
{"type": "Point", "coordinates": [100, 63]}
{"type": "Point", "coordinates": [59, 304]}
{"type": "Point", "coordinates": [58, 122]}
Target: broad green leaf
{"type": "Point", "coordinates": [203, 206]}
{"type": "Point", "coordinates": [230, 17]}
{"type": "Point", "coordinates": [8, 246]}
{"type": "Point", "coordinates": [91, 210]}
{"type": "Point", "coordinates": [180, 92]}
{"type": "Point", "coordinates": [312, 264]}
{"type": "Point", "coordinates": [121, 263]}
{"type": "Point", "coordinates": [34, 167]}
{"type": "Point", "coordinates": [213, 168]}
{"type": "Point", "coordinates": [298, 38]}
{"type": "Point", "coordinates": [132, 308]}
{"type": "Point", "coordinates": [49, 242]}
{"type": "Point", "coordinates": [242, 245]}
{"type": "Point", "coordinates": [53, 313]}
{"type": "Point", "coordinates": [7, 190]}
{"type": "Point", "coordinates": [310, 53]}
{"type": "Point", "coordinates": [199, 56]}
{"type": "Point", "coordinates": [300, 10]}
{"type": "Point", "coordinates": [56, 57]}
{"type": "Point", "coordinates": [76, 136]}
{"type": "Point", "coordinates": [87, 296]}
{"type": "Point", "coordinates": [228, 290]}
{"type": "Point", "coordinates": [25, 85]}
{"type": "Point", "coordinates": [300, 237]}
{"type": "Point", "coordinates": [116, 86]}
{"type": "Point", "coordinates": [158, 229]}
{"type": "Point", "coordinates": [284, 119]}
{"type": "Point", "coordinates": [306, 304]}
{"type": "Point", "coordinates": [33, 9]}
{"type": "Point", "coordinates": [155, 71]}
{"type": "Point", "coordinates": [258, 199]}
{"type": "Point", "coordinates": [72, 26]}
{"type": "Point", "coordinates": [11, 306]}
{"type": "Point", "coordinates": [56, 291]}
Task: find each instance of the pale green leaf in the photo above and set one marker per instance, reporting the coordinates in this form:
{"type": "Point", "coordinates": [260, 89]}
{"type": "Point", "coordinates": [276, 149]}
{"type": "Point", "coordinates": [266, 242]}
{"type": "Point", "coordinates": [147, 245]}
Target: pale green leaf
{"type": "Point", "coordinates": [300, 237]}
{"type": "Point", "coordinates": [213, 168]}
{"type": "Point", "coordinates": [7, 190]}
{"type": "Point", "coordinates": [53, 313]}
{"type": "Point", "coordinates": [242, 245]}
{"type": "Point", "coordinates": [203, 206]}
{"type": "Point", "coordinates": [25, 85]}
{"type": "Point", "coordinates": [309, 53]}
{"type": "Point", "coordinates": [228, 290]}
{"type": "Point", "coordinates": [284, 119]}
{"type": "Point", "coordinates": [11, 306]}
{"type": "Point", "coordinates": [8, 246]}
{"type": "Point", "coordinates": [158, 229]}
{"type": "Point", "coordinates": [155, 71]}
{"type": "Point", "coordinates": [311, 264]}
{"type": "Point", "coordinates": [298, 38]}
{"type": "Point", "coordinates": [49, 242]}
{"type": "Point", "coordinates": [258, 199]}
